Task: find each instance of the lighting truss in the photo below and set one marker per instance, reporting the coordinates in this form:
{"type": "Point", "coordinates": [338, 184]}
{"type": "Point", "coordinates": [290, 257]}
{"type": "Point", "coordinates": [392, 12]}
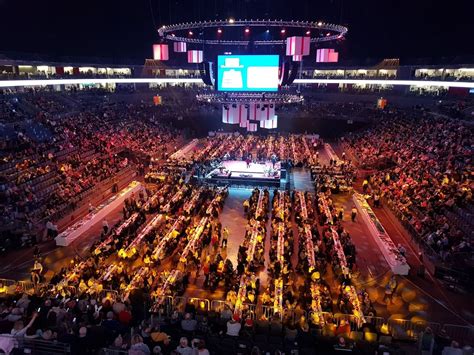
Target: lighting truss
{"type": "Point", "coordinates": [169, 32]}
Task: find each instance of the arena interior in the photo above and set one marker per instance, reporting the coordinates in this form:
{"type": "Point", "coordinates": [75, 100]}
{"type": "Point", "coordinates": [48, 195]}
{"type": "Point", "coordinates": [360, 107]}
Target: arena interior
{"type": "Point", "coordinates": [248, 187]}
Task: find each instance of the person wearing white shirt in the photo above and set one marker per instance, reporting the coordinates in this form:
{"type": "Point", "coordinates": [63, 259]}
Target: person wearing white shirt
{"type": "Point", "coordinates": [18, 330]}
{"type": "Point", "coordinates": [233, 327]}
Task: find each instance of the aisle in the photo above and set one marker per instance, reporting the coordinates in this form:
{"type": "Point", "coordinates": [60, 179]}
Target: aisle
{"type": "Point", "coordinates": [232, 217]}
{"type": "Point", "coordinates": [302, 179]}
{"type": "Point", "coordinates": [18, 265]}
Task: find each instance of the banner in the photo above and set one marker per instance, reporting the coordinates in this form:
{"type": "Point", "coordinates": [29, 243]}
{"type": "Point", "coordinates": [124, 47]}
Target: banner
{"type": "Point", "coordinates": [297, 45]}
{"type": "Point", "coordinates": [160, 52]}
{"type": "Point", "coordinates": [327, 55]}
{"type": "Point", "coordinates": [179, 47]}
{"type": "Point", "coordinates": [269, 124]}
{"type": "Point", "coordinates": [195, 56]}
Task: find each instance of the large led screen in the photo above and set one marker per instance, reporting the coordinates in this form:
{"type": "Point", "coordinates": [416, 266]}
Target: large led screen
{"type": "Point", "coordinates": [247, 72]}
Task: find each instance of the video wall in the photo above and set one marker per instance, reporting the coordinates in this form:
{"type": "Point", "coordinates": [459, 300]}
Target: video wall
{"type": "Point", "coordinates": [247, 72]}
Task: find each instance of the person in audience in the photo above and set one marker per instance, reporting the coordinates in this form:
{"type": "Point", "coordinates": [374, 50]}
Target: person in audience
{"type": "Point", "coordinates": [201, 348]}
{"type": "Point", "coordinates": [353, 213]}
{"type": "Point", "coordinates": [453, 349]}
{"type": "Point", "coordinates": [233, 326]}
{"type": "Point", "coordinates": [188, 324]}
{"type": "Point", "coordinates": [19, 330]}
{"type": "Point", "coordinates": [138, 347]}
{"type": "Point", "coordinates": [183, 348]}
{"type": "Point", "coordinates": [426, 342]}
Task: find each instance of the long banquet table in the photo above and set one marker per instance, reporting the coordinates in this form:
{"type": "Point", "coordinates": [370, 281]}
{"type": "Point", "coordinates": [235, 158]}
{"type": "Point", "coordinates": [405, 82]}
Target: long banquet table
{"type": "Point", "coordinates": [77, 229]}
{"type": "Point", "coordinates": [395, 260]}
{"type": "Point", "coordinates": [330, 152]}
{"type": "Point", "coordinates": [181, 153]}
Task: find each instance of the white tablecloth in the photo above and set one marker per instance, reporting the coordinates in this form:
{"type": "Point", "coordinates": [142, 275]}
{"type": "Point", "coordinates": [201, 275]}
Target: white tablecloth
{"type": "Point", "coordinates": [180, 154]}
{"type": "Point", "coordinates": [330, 152]}
{"type": "Point", "coordinates": [397, 262]}
{"type": "Point", "coordinates": [76, 230]}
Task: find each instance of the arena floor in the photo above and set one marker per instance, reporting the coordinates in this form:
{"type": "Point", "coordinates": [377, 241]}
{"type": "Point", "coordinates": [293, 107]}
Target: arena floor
{"type": "Point", "coordinates": [415, 298]}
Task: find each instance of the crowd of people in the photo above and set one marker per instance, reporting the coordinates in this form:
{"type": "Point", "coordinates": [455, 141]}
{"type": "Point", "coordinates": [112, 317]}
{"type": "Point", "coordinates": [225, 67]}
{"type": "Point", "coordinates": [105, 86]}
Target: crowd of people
{"type": "Point", "coordinates": [42, 179]}
{"type": "Point", "coordinates": [123, 294]}
{"type": "Point", "coordinates": [422, 166]}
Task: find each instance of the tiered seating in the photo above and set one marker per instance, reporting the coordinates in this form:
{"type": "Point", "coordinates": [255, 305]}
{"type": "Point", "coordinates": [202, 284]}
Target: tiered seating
{"type": "Point", "coordinates": [423, 165]}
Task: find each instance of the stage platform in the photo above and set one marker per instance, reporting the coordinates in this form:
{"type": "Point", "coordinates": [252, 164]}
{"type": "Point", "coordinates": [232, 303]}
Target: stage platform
{"type": "Point", "coordinates": [236, 172]}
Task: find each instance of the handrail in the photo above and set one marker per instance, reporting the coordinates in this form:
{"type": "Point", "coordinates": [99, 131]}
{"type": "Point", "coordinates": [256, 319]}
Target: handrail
{"type": "Point", "coordinates": [397, 328]}
{"type": "Point", "coordinates": [36, 345]}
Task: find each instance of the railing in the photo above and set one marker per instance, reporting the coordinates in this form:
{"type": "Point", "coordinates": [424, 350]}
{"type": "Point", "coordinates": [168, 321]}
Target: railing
{"type": "Point", "coordinates": [401, 329]}
{"type": "Point", "coordinates": [179, 303]}
{"type": "Point", "coordinates": [109, 294]}
{"type": "Point", "coordinates": [268, 311]}
{"type": "Point", "coordinates": [8, 286]}
{"type": "Point", "coordinates": [201, 304]}
{"type": "Point", "coordinates": [251, 310]}
{"type": "Point", "coordinates": [34, 346]}
{"type": "Point", "coordinates": [11, 287]}
{"type": "Point", "coordinates": [463, 334]}
{"type": "Point", "coordinates": [219, 306]}
{"type": "Point", "coordinates": [107, 351]}
{"type": "Point", "coordinates": [408, 330]}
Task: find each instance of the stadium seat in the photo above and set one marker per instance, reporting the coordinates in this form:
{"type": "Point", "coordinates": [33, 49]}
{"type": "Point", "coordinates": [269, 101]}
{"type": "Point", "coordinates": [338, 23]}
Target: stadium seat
{"type": "Point", "coordinates": [262, 327]}
{"type": "Point", "coordinates": [385, 339]}
{"type": "Point", "coordinates": [213, 343]}
{"type": "Point", "coordinates": [227, 345]}
{"type": "Point", "coordinates": [275, 340]}
{"type": "Point", "coordinates": [276, 329]}
{"type": "Point", "coordinates": [243, 346]}
{"type": "Point", "coordinates": [260, 338]}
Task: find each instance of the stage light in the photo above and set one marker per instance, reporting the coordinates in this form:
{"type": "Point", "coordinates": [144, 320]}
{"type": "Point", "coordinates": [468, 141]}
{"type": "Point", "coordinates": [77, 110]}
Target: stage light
{"type": "Point", "coordinates": [190, 33]}
{"type": "Point", "coordinates": [219, 30]}
{"type": "Point", "coordinates": [308, 32]}
{"type": "Point", "coordinates": [320, 23]}
{"type": "Point", "coordinates": [247, 30]}
{"type": "Point", "coordinates": [328, 34]}
{"type": "Point", "coordinates": [231, 20]}
{"type": "Point", "coordinates": [283, 30]}
{"type": "Point", "coordinates": [268, 31]}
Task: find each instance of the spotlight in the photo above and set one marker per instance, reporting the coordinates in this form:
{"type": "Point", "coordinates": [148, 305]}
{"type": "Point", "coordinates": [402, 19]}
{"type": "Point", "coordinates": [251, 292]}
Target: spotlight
{"type": "Point", "coordinates": [283, 30]}
{"type": "Point", "coordinates": [247, 30]}
{"type": "Point", "coordinates": [328, 34]}
{"type": "Point", "coordinates": [268, 31]}
{"type": "Point", "coordinates": [308, 32]}
{"type": "Point", "coordinates": [231, 20]}
{"type": "Point", "coordinates": [190, 33]}
{"type": "Point", "coordinates": [219, 30]}
{"type": "Point", "coordinates": [320, 23]}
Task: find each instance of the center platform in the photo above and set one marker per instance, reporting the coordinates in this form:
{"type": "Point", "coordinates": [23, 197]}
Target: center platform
{"type": "Point", "coordinates": [239, 173]}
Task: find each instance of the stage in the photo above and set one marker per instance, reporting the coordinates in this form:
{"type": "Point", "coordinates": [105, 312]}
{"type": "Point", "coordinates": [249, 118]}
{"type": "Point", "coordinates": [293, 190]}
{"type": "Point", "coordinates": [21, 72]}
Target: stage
{"type": "Point", "coordinates": [236, 172]}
